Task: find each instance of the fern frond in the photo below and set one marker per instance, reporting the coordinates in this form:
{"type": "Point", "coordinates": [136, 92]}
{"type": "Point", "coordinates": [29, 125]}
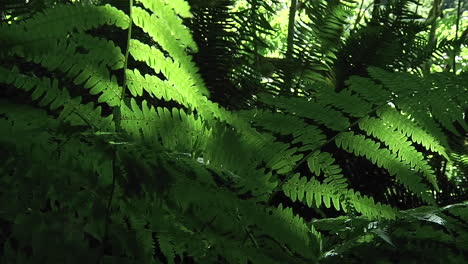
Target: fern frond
{"type": "Point", "coordinates": [452, 90]}
{"type": "Point", "coordinates": [183, 84]}
{"type": "Point", "coordinates": [343, 100]}
{"type": "Point", "coordinates": [279, 156]}
{"type": "Point", "coordinates": [167, 14]}
{"type": "Point", "coordinates": [20, 122]}
{"type": "Point", "coordinates": [240, 218]}
{"type": "Point", "coordinates": [368, 90]}
{"type": "Point", "coordinates": [65, 58]}
{"type": "Point", "coordinates": [48, 92]}
{"type": "Point", "coordinates": [398, 143]}
{"type": "Point", "coordinates": [259, 184]}
{"type": "Point", "coordinates": [158, 31]}
{"type": "Point", "coordinates": [318, 33]}
{"type": "Point", "coordinates": [137, 216]}
{"type": "Point", "coordinates": [369, 208]}
{"type": "Point", "coordinates": [176, 88]}
{"type": "Point", "coordinates": [313, 193]}
{"type": "Point", "coordinates": [362, 146]}
{"type": "Point", "coordinates": [181, 75]}
{"type": "Point", "coordinates": [28, 36]}
{"type": "Point", "coordinates": [405, 126]}
{"type": "Point", "coordinates": [309, 136]}
{"type": "Point", "coordinates": [446, 111]}
{"type": "Point", "coordinates": [180, 7]}
{"type": "Point", "coordinates": [335, 193]}
{"type": "Point", "coordinates": [175, 129]}
{"type": "Point", "coordinates": [100, 51]}
{"type": "Point", "coordinates": [300, 239]}
{"type": "Point", "coordinates": [322, 162]}
{"type": "Point", "coordinates": [434, 95]}
{"type": "Point", "coordinates": [269, 121]}
{"type": "Point", "coordinates": [166, 248]}
{"type": "Point", "coordinates": [136, 83]}
{"type": "Point", "coordinates": [321, 113]}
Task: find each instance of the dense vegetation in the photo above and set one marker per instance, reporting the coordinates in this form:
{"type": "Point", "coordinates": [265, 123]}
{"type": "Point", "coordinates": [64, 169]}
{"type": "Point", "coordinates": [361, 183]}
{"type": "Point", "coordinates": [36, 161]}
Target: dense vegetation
{"type": "Point", "coordinates": [248, 131]}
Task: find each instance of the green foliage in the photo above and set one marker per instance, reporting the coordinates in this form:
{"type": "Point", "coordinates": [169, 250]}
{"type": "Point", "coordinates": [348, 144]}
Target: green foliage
{"type": "Point", "coordinates": [121, 157]}
{"type": "Point", "coordinates": [425, 234]}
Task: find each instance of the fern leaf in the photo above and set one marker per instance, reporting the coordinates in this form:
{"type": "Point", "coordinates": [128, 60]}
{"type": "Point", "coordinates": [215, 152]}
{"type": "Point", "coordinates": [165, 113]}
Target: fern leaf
{"type": "Point", "coordinates": [175, 130]}
{"type": "Point", "coordinates": [367, 207]}
{"type": "Point", "coordinates": [284, 221]}
{"type": "Point", "coordinates": [47, 91]}
{"type": "Point", "coordinates": [393, 81]}
{"type": "Point", "coordinates": [258, 184]}
{"type": "Point", "coordinates": [108, 86]}
{"type": "Point", "coordinates": [310, 136]}
{"type": "Point", "coordinates": [434, 95]}
{"type": "Point", "coordinates": [158, 31]}
{"type": "Point", "coordinates": [382, 157]}
{"type": "Point", "coordinates": [368, 90]}
{"type": "Point", "coordinates": [314, 193]}
{"type": "Point", "coordinates": [404, 125]}
{"type": "Point", "coordinates": [183, 84]}
{"type": "Point", "coordinates": [181, 7]}
{"type": "Point", "coordinates": [309, 109]}
{"type": "Point", "coordinates": [181, 75]}
{"type": "Point", "coordinates": [99, 51]}
{"type": "Point", "coordinates": [166, 248]}
{"type": "Point", "coordinates": [453, 93]}
{"type": "Point", "coordinates": [136, 83]}
{"type": "Point", "coordinates": [344, 100]}
{"type": "Point", "coordinates": [281, 158]}
{"type": "Point", "coordinates": [166, 13]}
{"type": "Point", "coordinates": [398, 144]}
{"type": "Point", "coordinates": [319, 161]}
{"type": "Point", "coordinates": [446, 112]}
{"type": "Point", "coordinates": [95, 77]}
{"type": "Point", "coordinates": [28, 36]}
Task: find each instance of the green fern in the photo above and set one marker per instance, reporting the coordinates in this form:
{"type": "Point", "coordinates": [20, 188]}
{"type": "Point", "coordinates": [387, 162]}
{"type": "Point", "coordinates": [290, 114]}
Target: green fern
{"type": "Point", "coordinates": [171, 174]}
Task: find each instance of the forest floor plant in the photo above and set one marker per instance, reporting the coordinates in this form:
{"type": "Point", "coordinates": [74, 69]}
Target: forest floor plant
{"type": "Point", "coordinates": [119, 155]}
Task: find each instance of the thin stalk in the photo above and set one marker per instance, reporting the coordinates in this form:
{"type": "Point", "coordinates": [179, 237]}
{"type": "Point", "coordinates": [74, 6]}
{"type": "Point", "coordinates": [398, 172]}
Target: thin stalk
{"type": "Point", "coordinates": [129, 37]}
{"type": "Point", "coordinates": [376, 9]}
{"type": "Point", "coordinates": [118, 109]}
{"type": "Point", "coordinates": [457, 26]}
{"type": "Point", "coordinates": [115, 160]}
{"type": "Point", "coordinates": [432, 18]}
{"type": "Point", "coordinates": [360, 13]}
{"type": "Point", "coordinates": [291, 21]}
{"type": "Point", "coordinates": [290, 45]}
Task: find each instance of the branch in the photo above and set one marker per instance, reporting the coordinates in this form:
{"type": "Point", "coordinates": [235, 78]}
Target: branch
{"type": "Point", "coordinates": [292, 18]}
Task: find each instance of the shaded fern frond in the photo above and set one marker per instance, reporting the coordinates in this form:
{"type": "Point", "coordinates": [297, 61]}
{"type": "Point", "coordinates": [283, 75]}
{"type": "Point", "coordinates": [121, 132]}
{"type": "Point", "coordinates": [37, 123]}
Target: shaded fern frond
{"type": "Point", "coordinates": [301, 239]}
{"type": "Point", "coordinates": [309, 136]}
{"type": "Point", "coordinates": [315, 110]}
{"type": "Point", "coordinates": [180, 7]}
{"type": "Point", "coordinates": [344, 100]}
{"type": "Point", "coordinates": [315, 194]}
{"type": "Point", "coordinates": [440, 96]}
{"type": "Point", "coordinates": [48, 93]}
{"type": "Point", "coordinates": [405, 126]}
{"type": "Point", "coordinates": [368, 90]}
{"type": "Point", "coordinates": [382, 157]}
{"type": "Point", "coordinates": [174, 129]}
{"type": "Point", "coordinates": [398, 144]}
{"type": "Point", "coordinates": [319, 33]}
{"type": "Point", "coordinates": [28, 36]}
{"type": "Point", "coordinates": [172, 174]}
{"type": "Point", "coordinates": [166, 14]}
